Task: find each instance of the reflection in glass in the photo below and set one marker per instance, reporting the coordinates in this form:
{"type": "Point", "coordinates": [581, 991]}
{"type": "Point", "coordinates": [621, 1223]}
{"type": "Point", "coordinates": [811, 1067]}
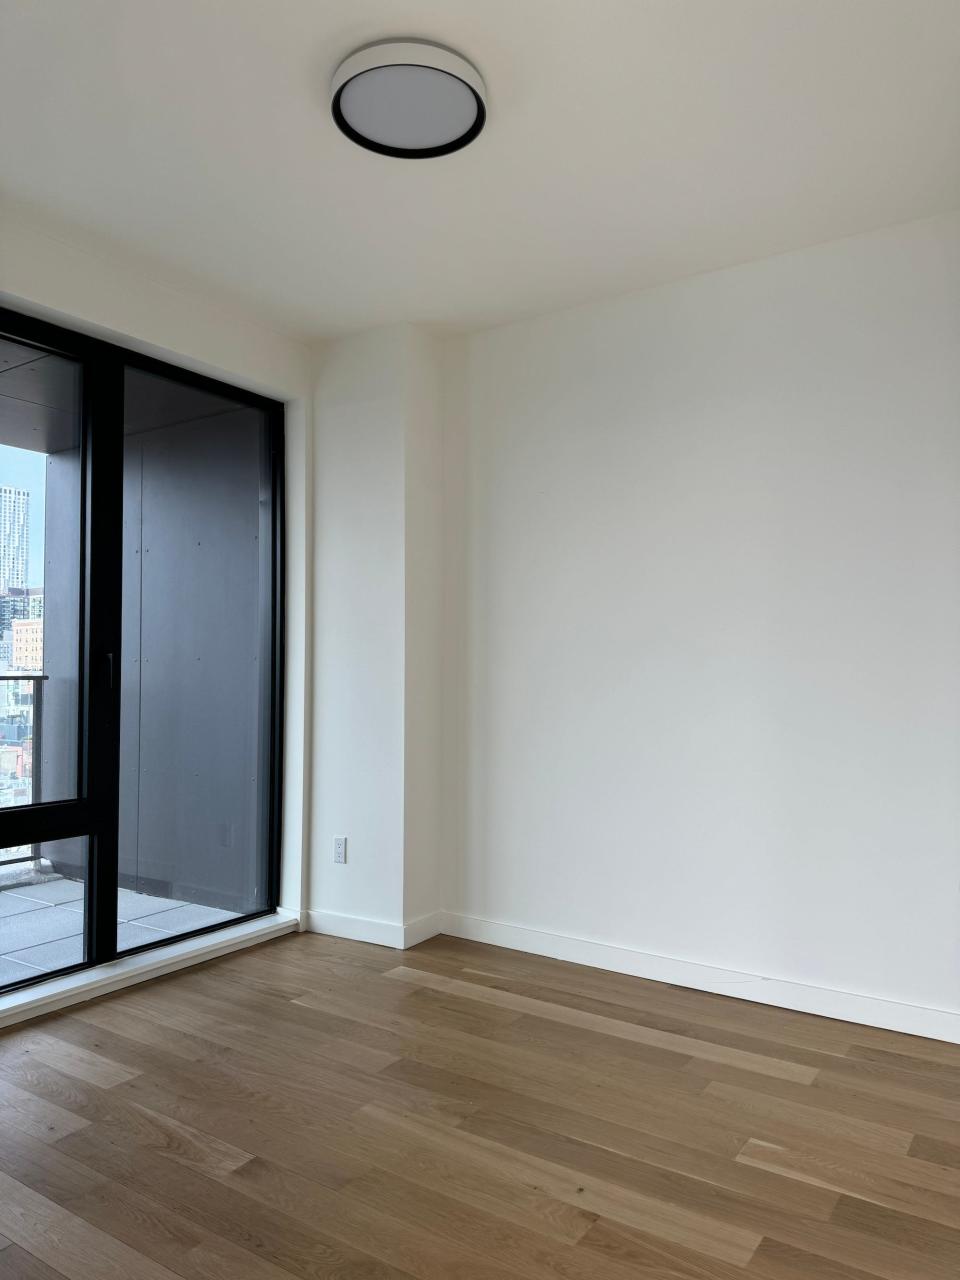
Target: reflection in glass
{"type": "Point", "coordinates": [192, 745]}
{"type": "Point", "coordinates": [40, 485]}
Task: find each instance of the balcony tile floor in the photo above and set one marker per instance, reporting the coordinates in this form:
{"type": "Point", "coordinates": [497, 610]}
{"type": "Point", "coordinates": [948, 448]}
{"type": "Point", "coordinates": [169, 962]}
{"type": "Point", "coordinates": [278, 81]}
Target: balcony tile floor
{"type": "Point", "coordinates": [41, 925]}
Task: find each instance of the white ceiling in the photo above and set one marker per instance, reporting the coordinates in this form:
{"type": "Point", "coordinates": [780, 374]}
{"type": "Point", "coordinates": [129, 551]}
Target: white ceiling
{"type": "Point", "coordinates": [629, 142]}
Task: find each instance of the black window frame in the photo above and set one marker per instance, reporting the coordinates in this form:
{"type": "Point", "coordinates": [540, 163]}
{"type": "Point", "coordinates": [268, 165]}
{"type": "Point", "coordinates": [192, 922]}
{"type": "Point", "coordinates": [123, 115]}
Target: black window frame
{"type": "Point", "coordinates": [94, 813]}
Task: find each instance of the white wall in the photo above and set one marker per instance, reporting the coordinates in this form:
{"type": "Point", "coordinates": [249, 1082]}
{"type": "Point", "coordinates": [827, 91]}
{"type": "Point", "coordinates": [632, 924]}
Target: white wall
{"type": "Point", "coordinates": [358, 639]}
{"type": "Point", "coordinates": [711, 635]}
{"type": "Point", "coordinates": [377, 636]}
{"type": "Point", "coordinates": [57, 273]}
{"type": "Point", "coordinates": [424, 888]}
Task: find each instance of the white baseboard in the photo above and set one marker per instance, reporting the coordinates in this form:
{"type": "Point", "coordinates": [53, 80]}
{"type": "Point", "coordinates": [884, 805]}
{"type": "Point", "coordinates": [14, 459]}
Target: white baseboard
{"type": "Point", "coordinates": [424, 927]}
{"type": "Point", "coordinates": [383, 933]}
{"type": "Point", "coordinates": [58, 993]}
{"type": "Point", "coordinates": [299, 918]}
{"type": "Point", "coordinates": [847, 1006]}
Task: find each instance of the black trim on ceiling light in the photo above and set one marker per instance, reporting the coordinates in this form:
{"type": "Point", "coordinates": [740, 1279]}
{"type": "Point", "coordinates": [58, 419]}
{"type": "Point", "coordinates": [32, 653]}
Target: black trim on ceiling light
{"type": "Point", "coordinates": [409, 153]}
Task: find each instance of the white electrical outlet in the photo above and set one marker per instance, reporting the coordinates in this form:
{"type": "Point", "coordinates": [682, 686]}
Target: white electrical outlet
{"type": "Point", "coordinates": [339, 848]}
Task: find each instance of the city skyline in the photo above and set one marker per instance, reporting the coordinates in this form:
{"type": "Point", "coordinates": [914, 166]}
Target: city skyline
{"type": "Point", "coordinates": [26, 469]}
{"type": "Point", "coordinates": [22, 494]}
{"type": "Point", "coordinates": [14, 537]}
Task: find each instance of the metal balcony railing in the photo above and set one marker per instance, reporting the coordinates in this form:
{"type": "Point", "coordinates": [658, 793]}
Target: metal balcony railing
{"type": "Point", "coordinates": [31, 719]}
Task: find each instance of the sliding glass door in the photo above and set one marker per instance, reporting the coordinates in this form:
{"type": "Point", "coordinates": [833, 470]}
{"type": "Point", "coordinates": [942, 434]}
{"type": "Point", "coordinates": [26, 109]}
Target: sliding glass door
{"type": "Point", "coordinates": [42, 881]}
{"type": "Point", "coordinates": [194, 706]}
{"type": "Point", "coordinates": [140, 652]}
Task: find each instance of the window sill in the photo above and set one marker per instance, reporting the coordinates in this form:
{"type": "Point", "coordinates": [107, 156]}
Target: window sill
{"type": "Point", "coordinates": [72, 988]}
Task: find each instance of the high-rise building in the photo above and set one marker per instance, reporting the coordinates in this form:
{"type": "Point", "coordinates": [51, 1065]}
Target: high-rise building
{"type": "Point", "coordinates": [14, 536]}
{"type": "Point", "coordinates": [28, 644]}
{"type": "Point", "coordinates": [19, 602]}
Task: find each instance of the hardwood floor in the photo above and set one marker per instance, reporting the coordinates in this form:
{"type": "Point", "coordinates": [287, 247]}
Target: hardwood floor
{"type": "Point", "coordinates": [321, 1108]}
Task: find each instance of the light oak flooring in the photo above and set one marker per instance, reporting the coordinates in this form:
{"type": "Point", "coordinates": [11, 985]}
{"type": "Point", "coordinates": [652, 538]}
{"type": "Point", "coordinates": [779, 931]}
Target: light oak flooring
{"type": "Point", "coordinates": [320, 1108]}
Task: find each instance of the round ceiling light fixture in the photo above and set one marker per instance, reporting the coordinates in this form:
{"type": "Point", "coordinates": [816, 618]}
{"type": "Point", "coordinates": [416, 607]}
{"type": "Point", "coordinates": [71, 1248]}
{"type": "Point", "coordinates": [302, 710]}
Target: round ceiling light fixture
{"type": "Point", "coordinates": [408, 98]}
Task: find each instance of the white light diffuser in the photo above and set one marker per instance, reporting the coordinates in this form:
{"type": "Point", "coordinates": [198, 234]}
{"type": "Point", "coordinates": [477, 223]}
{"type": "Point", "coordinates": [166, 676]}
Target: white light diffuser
{"type": "Point", "coordinates": [408, 98]}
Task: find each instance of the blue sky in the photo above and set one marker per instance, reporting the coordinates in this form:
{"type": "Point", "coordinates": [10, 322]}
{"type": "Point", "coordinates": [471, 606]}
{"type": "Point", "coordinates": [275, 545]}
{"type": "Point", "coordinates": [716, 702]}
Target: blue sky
{"type": "Point", "coordinates": [27, 470]}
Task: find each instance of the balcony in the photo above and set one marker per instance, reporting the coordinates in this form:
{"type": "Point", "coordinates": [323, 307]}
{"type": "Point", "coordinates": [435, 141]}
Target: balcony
{"type": "Point", "coordinates": [21, 748]}
{"type": "Point", "coordinates": [42, 921]}
{"type": "Point", "coordinates": [42, 910]}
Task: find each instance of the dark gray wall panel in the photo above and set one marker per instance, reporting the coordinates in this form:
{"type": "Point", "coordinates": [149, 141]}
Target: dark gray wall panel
{"type": "Point", "coordinates": [191, 660]}
{"type": "Point", "coordinates": [130, 666]}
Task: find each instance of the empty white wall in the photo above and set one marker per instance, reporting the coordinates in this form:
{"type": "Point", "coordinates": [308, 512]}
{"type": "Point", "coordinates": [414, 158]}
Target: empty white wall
{"type": "Point", "coordinates": [360, 416]}
{"type": "Point", "coordinates": [706, 674]}
{"type": "Point", "coordinates": [377, 636]}
{"type": "Point", "coordinates": [424, 888]}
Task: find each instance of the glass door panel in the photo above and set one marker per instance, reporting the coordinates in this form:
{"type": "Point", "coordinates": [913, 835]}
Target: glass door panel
{"type": "Point", "coordinates": [40, 566]}
{"type": "Point", "coordinates": [43, 881]}
{"type": "Point", "coordinates": [140, 652]}
{"type": "Point", "coordinates": [43, 912]}
{"type": "Point", "coordinates": [192, 847]}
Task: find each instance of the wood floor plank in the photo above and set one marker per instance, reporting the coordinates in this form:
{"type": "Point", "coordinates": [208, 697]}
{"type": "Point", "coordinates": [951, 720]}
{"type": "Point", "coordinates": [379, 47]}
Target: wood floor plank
{"type": "Point", "coordinates": [651, 1128]}
{"type": "Point", "coordinates": [848, 1102]}
{"type": "Point", "coordinates": [890, 1074]}
{"type": "Point", "coordinates": [212, 1105]}
{"type": "Point", "coordinates": [851, 1179]}
{"type": "Point", "coordinates": [776, 1261]}
{"type": "Point", "coordinates": [314, 1108]}
{"type": "Point", "coordinates": [187, 1145]}
{"type": "Point", "coordinates": [126, 1214]}
{"type": "Point", "coordinates": [651, 1258]}
{"type": "Point", "coordinates": [769, 1109]}
{"type": "Point", "coordinates": [726, 1012]}
{"type": "Point", "coordinates": [932, 1058]}
{"type": "Point", "coordinates": [35, 1116]}
{"type": "Point", "coordinates": [907, 1169]}
{"type": "Point", "coordinates": [395, 1142]}
{"type": "Point", "coordinates": [45, 1169]}
{"type": "Point", "coordinates": [523, 1252]}
{"type": "Point", "coordinates": [82, 1063]}
{"type": "Point", "coordinates": [582, 1190]}
{"type": "Point", "coordinates": [272, 1235]}
{"type": "Point", "coordinates": [176, 1140]}
{"type": "Point", "coordinates": [263, 1057]}
{"type": "Point", "coordinates": [683, 1045]}
{"type": "Point", "coordinates": [68, 1243]}
{"type": "Point", "coordinates": [168, 1238]}
{"type": "Point", "coordinates": [699, 1182]}
{"type": "Point", "coordinates": [644, 1101]}
{"type": "Point", "coordinates": [259, 1026]}
{"type": "Point", "coordinates": [653, 1010]}
{"type": "Point", "coordinates": [17, 1264]}
{"type": "Point", "coordinates": [533, 1030]}
{"type": "Point", "coordinates": [936, 1151]}
{"type": "Point", "coordinates": [832, 1242]}
{"type": "Point", "coordinates": [138, 1030]}
{"type": "Point", "coordinates": [927, 1238]}
{"type": "Point", "coordinates": [358, 1225]}
{"type": "Point", "coordinates": [915, 1106]}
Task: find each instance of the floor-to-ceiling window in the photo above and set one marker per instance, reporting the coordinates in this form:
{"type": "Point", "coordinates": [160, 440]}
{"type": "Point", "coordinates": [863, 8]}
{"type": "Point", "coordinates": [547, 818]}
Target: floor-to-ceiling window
{"type": "Point", "coordinates": [140, 652]}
